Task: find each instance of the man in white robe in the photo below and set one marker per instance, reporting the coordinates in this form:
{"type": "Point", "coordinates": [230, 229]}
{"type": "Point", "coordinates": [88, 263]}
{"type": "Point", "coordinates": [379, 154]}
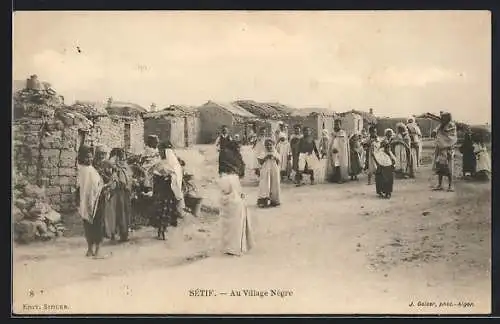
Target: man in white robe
{"type": "Point", "coordinates": [285, 154]}
{"type": "Point", "coordinates": [259, 150]}
{"type": "Point", "coordinates": [339, 154]}
{"type": "Point", "coordinates": [90, 186]}
{"type": "Point", "coordinates": [416, 138]}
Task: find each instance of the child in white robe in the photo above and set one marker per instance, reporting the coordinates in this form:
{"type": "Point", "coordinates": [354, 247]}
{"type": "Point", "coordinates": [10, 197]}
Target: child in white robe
{"type": "Point", "coordinates": [269, 179]}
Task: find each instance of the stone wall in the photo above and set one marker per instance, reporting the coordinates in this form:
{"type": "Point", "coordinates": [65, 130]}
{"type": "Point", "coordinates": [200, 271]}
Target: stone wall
{"type": "Point", "coordinates": [352, 123]}
{"type": "Point", "coordinates": [45, 152]}
{"type": "Point", "coordinates": [110, 130]}
{"type": "Point", "coordinates": [137, 135]}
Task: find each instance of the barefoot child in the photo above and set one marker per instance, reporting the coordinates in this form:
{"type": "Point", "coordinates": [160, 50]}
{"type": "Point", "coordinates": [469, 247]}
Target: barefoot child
{"type": "Point", "coordinates": [283, 149]}
{"type": "Point", "coordinates": [372, 145]}
{"type": "Point", "coordinates": [446, 138]}
{"type": "Point", "coordinates": [270, 180]}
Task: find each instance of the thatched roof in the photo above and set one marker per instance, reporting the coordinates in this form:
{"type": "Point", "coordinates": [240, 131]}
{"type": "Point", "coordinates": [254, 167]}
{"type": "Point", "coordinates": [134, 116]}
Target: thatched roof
{"type": "Point", "coordinates": [232, 108]}
{"type": "Point", "coordinates": [122, 108]}
{"type": "Point", "coordinates": [172, 111]}
{"type": "Point", "coordinates": [264, 110]}
{"type": "Point", "coordinates": [313, 111]}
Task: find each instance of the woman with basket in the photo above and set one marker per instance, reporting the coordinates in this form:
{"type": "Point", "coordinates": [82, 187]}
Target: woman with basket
{"type": "Point", "coordinates": [385, 161]}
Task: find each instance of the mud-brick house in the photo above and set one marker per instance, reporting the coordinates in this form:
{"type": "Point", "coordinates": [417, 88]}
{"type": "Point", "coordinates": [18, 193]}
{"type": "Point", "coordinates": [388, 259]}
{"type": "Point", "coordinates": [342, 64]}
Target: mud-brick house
{"type": "Point", "coordinates": [352, 122]}
{"type": "Point", "coordinates": [178, 124]}
{"type": "Point", "coordinates": [119, 124]}
{"type": "Point", "coordinates": [269, 115]}
{"type": "Point", "coordinates": [315, 118]}
{"type": "Point", "coordinates": [369, 118]}
{"type": "Point", "coordinates": [213, 115]}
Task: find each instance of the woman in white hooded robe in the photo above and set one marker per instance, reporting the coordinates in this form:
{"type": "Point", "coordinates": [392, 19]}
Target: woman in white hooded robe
{"type": "Point", "coordinates": [237, 232]}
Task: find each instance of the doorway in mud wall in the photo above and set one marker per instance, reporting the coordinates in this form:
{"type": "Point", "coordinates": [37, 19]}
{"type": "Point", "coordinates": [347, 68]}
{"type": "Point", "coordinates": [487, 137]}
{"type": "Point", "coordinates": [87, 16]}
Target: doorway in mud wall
{"type": "Point", "coordinates": [186, 132]}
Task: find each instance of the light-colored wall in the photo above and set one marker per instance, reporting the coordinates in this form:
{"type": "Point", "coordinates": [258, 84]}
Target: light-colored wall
{"type": "Point", "coordinates": [212, 117]}
{"type": "Point", "coordinates": [352, 123]}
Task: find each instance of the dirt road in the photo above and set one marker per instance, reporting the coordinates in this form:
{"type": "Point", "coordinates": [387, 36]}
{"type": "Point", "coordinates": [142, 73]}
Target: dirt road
{"type": "Point", "coordinates": [354, 254]}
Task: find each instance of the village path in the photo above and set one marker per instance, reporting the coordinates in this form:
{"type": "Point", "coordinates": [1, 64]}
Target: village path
{"type": "Point", "coordinates": [338, 249]}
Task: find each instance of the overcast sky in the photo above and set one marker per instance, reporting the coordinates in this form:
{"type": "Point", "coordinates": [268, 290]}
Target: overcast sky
{"type": "Point", "coordinates": [398, 63]}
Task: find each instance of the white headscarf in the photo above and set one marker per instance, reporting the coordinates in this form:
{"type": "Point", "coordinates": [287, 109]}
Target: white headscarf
{"type": "Point", "coordinates": [172, 163]}
{"type": "Point", "coordinates": [230, 188]}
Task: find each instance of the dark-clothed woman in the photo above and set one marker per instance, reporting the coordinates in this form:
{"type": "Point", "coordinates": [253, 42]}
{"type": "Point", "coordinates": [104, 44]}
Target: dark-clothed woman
{"type": "Point", "coordinates": [167, 193]}
{"type": "Point", "coordinates": [106, 207]}
{"type": "Point", "coordinates": [468, 156]}
{"type": "Point", "coordinates": [384, 174]}
{"type": "Point", "coordinates": [121, 195]}
{"type": "Point", "coordinates": [355, 158]}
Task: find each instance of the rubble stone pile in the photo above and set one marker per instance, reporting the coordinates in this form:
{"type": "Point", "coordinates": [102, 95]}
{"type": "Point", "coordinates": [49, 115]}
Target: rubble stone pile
{"type": "Point", "coordinates": [46, 137]}
{"type": "Point", "coordinates": [32, 216]}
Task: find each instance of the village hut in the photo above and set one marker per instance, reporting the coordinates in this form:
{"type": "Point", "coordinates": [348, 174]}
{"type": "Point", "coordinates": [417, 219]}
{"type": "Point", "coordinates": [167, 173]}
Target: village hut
{"type": "Point", "coordinates": [48, 134]}
{"type": "Point", "coordinates": [269, 115]}
{"type": "Point", "coordinates": [352, 122]}
{"type": "Point", "coordinates": [315, 118]}
{"type": "Point", "coordinates": [369, 118]}
{"type": "Point", "coordinates": [115, 125]}
{"type": "Point", "coordinates": [213, 115]}
{"type": "Point", "coordinates": [178, 124]}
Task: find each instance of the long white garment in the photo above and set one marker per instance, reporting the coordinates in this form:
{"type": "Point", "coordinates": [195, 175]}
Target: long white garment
{"type": "Point", "coordinates": [270, 179]}
{"type": "Point", "coordinates": [237, 231]}
{"type": "Point", "coordinates": [401, 154]}
{"type": "Point", "coordinates": [259, 152]}
{"type": "Point", "coordinates": [483, 160]}
{"type": "Point", "coordinates": [416, 135]}
{"type": "Point", "coordinates": [374, 145]}
{"type": "Point", "coordinates": [173, 164]}
{"type": "Point", "coordinates": [284, 152]}
{"type": "Point", "coordinates": [339, 142]}
{"type": "Point", "coordinates": [91, 184]}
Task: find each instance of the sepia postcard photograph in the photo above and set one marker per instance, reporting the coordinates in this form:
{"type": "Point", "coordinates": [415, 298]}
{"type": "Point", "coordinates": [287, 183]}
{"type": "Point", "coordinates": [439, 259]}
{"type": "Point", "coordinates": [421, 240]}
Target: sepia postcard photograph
{"type": "Point", "coordinates": [251, 162]}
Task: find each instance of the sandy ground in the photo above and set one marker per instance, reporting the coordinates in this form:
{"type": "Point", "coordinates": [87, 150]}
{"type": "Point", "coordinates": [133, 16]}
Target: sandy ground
{"type": "Point", "coordinates": [328, 249]}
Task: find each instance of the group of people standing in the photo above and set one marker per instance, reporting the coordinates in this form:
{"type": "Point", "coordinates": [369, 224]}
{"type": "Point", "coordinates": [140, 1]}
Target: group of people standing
{"type": "Point", "coordinates": [476, 161]}
{"type": "Point", "coordinates": [104, 195]}
{"type": "Point", "coordinates": [395, 155]}
{"type": "Point", "coordinates": [112, 192]}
